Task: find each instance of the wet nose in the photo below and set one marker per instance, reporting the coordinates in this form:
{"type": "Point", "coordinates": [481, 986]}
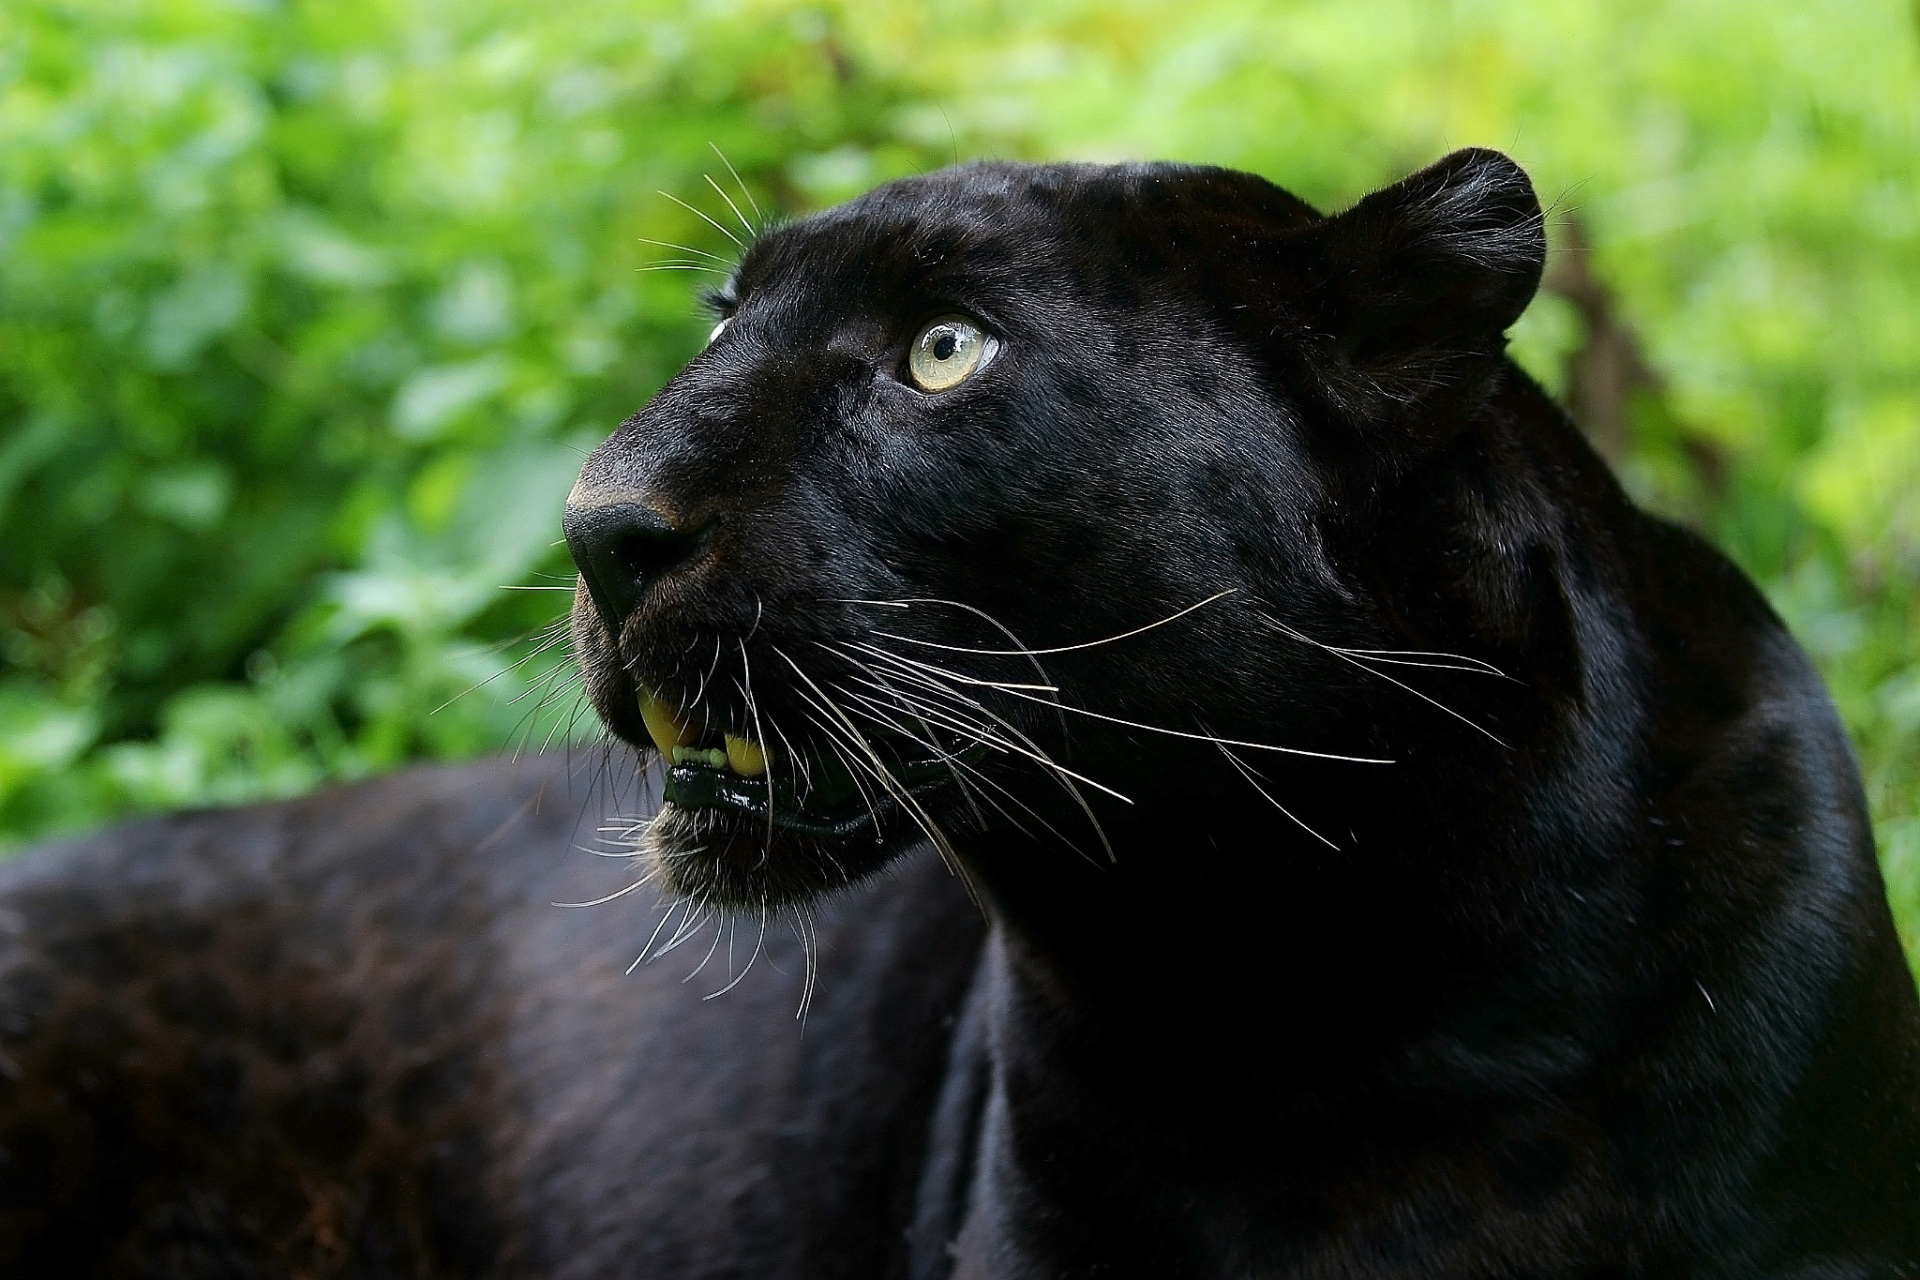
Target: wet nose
{"type": "Point", "coordinates": [620, 547]}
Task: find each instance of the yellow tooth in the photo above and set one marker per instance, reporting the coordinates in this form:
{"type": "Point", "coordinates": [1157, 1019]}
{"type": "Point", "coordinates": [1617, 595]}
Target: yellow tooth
{"type": "Point", "coordinates": [745, 757]}
{"type": "Point", "coordinates": [663, 726]}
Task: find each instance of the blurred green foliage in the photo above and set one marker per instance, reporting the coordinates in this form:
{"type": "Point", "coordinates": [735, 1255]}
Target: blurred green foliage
{"type": "Point", "coordinates": [308, 314]}
{"type": "Point", "coordinates": [308, 310]}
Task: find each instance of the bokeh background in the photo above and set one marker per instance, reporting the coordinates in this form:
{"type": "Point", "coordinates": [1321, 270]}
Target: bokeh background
{"type": "Point", "coordinates": [309, 310]}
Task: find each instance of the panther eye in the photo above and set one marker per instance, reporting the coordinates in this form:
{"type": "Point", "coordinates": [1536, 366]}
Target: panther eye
{"type": "Point", "coordinates": [948, 352]}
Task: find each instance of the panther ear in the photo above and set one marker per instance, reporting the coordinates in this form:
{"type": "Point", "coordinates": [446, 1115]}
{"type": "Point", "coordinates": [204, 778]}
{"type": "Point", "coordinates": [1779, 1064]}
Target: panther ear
{"type": "Point", "coordinates": [1417, 280]}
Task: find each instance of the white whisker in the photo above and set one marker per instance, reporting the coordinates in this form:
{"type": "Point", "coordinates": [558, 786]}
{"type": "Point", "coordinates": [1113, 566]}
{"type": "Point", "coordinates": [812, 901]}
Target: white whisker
{"type": "Point", "coordinates": [619, 893]}
{"type": "Point", "coordinates": [1347, 656]}
{"type": "Point", "coordinates": [709, 221]}
{"type": "Point", "coordinates": [1027, 653]}
{"type": "Point", "coordinates": [744, 189]}
{"type": "Point", "coordinates": [745, 225]}
{"type": "Point", "coordinates": [759, 942]}
{"type": "Point", "coordinates": [1254, 782]}
{"type": "Point", "coordinates": [687, 248]}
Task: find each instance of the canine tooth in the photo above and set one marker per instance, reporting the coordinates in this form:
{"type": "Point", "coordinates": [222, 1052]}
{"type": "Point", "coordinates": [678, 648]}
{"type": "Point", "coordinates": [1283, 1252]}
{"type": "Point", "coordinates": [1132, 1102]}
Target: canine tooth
{"type": "Point", "coordinates": [665, 727]}
{"type": "Point", "coordinates": [745, 757]}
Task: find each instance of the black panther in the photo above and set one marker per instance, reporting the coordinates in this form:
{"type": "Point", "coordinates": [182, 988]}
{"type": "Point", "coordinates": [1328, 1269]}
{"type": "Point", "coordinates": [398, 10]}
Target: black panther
{"type": "Point", "coordinates": [1172, 758]}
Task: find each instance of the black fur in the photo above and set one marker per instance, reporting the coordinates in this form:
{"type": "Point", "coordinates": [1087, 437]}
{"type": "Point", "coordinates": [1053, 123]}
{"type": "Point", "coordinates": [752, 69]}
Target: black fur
{"type": "Point", "coordinates": [350, 1036]}
{"type": "Point", "coordinates": [1562, 953]}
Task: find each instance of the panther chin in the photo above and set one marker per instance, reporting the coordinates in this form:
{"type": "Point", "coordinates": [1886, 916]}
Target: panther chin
{"type": "Point", "coordinates": [745, 828]}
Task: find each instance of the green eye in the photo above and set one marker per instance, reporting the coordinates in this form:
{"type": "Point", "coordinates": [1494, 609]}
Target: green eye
{"type": "Point", "coordinates": [948, 352]}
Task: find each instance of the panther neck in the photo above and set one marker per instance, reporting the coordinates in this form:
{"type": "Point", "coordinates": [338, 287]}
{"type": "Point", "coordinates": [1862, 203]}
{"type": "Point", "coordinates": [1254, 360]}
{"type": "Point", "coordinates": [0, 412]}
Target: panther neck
{"type": "Point", "coordinates": [1210, 1030]}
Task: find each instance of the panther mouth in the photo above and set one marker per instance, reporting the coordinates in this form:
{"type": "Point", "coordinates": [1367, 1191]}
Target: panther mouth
{"type": "Point", "coordinates": [812, 794]}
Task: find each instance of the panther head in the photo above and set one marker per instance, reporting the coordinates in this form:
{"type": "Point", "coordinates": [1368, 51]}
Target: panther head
{"type": "Point", "coordinates": [1045, 499]}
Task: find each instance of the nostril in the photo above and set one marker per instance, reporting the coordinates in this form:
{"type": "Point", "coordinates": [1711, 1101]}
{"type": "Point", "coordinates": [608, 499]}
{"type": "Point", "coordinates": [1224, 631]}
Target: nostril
{"type": "Point", "coordinates": [642, 555]}
{"type": "Point", "coordinates": [619, 547]}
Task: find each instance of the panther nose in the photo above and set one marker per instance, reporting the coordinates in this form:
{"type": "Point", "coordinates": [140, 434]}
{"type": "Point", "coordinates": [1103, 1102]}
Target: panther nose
{"type": "Point", "coordinates": [620, 547]}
